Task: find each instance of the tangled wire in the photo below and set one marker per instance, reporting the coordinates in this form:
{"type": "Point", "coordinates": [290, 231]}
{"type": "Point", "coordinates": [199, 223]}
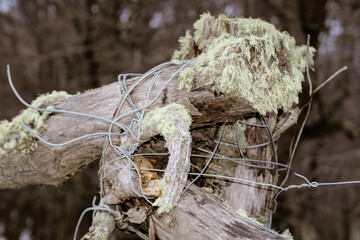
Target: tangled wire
{"type": "Point", "coordinates": [139, 113]}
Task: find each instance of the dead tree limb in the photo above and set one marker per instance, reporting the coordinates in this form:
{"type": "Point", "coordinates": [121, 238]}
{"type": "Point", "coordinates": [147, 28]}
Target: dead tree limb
{"type": "Point", "coordinates": [234, 77]}
{"type": "Point", "coordinates": [53, 165]}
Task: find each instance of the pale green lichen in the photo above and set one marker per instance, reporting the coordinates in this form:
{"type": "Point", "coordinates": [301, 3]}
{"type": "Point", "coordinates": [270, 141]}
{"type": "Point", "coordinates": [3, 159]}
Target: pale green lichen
{"type": "Point", "coordinates": [168, 121]}
{"type": "Point", "coordinates": [163, 183]}
{"type": "Point", "coordinates": [235, 133]}
{"type": "Point", "coordinates": [14, 136]}
{"type": "Point", "coordinates": [186, 47]}
{"type": "Point", "coordinates": [247, 58]}
{"type": "Point", "coordinates": [10, 145]}
{"type": "Point", "coordinates": [287, 234]}
{"type": "Point", "coordinates": [244, 214]}
{"type": "Point", "coordinates": [98, 232]}
{"type": "Point", "coordinates": [241, 135]}
{"type": "Point", "coordinates": [208, 189]}
{"type": "Point", "coordinates": [173, 122]}
{"type": "Point", "coordinates": [188, 75]}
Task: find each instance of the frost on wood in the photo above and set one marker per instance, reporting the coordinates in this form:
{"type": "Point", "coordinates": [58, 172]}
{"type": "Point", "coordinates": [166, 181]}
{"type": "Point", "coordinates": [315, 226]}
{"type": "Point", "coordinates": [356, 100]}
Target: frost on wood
{"type": "Point", "coordinates": [173, 122]}
{"type": "Point", "coordinates": [245, 57]}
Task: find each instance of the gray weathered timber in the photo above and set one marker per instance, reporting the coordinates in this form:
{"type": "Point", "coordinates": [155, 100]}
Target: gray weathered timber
{"type": "Point", "coordinates": [53, 165]}
{"type": "Point", "coordinates": [198, 215]}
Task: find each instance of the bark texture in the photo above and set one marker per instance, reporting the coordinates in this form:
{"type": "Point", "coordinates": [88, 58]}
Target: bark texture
{"type": "Point", "coordinates": [53, 165]}
{"type": "Point", "coordinates": [201, 216]}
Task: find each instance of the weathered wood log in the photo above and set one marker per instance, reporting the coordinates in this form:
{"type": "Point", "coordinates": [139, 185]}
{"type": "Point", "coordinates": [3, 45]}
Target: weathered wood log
{"type": "Point", "coordinates": [245, 67]}
{"type": "Point", "coordinates": [53, 165]}
{"type": "Point", "coordinates": [199, 215]}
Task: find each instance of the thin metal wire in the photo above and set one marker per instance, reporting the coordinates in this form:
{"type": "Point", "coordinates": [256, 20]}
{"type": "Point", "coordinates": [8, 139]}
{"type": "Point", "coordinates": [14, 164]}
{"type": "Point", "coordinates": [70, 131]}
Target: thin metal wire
{"type": "Point", "coordinates": [136, 123]}
{"type": "Point", "coordinates": [238, 160]}
{"type": "Point", "coordinates": [307, 64]}
{"type": "Point", "coordinates": [329, 79]}
{"type": "Point", "coordinates": [152, 83]}
{"type": "Point", "coordinates": [292, 151]}
{"type": "Point", "coordinates": [56, 110]}
{"type": "Point", "coordinates": [209, 161]}
{"type": "Point", "coordinates": [307, 183]}
{"type": "Point", "coordinates": [122, 151]}
{"type": "Point", "coordinates": [252, 124]}
{"type": "Point", "coordinates": [116, 118]}
{"type": "Point", "coordinates": [135, 84]}
{"type": "Point", "coordinates": [122, 82]}
{"type": "Point", "coordinates": [249, 147]}
{"type": "Point", "coordinates": [237, 180]}
{"type": "Point", "coordinates": [238, 140]}
{"type": "Point", "coordinates": [298, 136]}
{"type": "Point", "coordinates": [275, 157]}
{"type": "Point", "coordinates": [117, 215]}
{"type": "Point", "coordinates": [219, 156]}
{"type": "Point", "coordinates": [67, 142]}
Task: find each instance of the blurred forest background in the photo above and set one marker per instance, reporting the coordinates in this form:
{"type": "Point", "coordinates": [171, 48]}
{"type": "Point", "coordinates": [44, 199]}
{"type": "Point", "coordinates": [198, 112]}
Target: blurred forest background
{"type": "Point", "coordinates": [74, 45]}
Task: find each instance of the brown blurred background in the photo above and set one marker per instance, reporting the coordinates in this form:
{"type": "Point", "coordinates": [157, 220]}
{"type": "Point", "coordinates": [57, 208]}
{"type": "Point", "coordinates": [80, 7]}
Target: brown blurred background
{"type": "Point", "coordinates": [74, 45]}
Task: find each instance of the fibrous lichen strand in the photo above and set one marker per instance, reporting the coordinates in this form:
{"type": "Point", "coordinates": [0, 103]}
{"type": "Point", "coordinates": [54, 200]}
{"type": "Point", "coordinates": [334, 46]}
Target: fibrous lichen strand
{"type": "Point", "coordinates": [287, 234]}
{"type": "Point", "coordinates": [186, 47]}
{"type": "Point", "coordinates": [247, 58]}
{"type": "Point", "coordinates": [244, 214]}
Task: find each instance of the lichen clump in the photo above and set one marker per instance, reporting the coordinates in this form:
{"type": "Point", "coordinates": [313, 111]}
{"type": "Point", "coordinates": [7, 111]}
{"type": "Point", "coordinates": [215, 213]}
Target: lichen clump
{"type": "Point", "coordinates": [244, 214]}
{"type": "Point", "coordinates": [287, 234]}
{"type": "Point", "coordinates": [244, 57]}
{"type": "Point", "coordinates": [14, 136]}
{"type": "Point", "coordinates": [173, 122]}
{"type": "Point", "coordinates": [163, 183]}
{"type": "Point", "coordinates": [168, 121]}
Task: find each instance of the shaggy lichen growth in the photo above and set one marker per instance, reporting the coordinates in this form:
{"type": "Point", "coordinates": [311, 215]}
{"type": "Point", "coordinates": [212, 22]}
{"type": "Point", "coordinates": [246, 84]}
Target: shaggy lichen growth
{"type": "Point", "coordinates": [168, 121]}
{"type": "Point", "coordinates": [247, 58]}
{"type": "Point", "coordinates": [244, 214]}
{"type": "Point", "coordinates": [14, 136]}
{"type": "Point", "coordinates": [186, 47]}
{"type": "Point", "coordinates": [287, 234]}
